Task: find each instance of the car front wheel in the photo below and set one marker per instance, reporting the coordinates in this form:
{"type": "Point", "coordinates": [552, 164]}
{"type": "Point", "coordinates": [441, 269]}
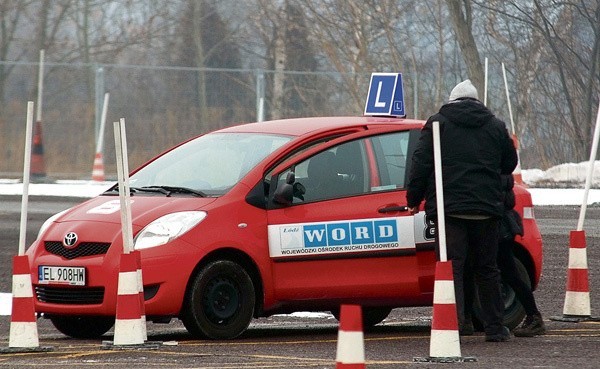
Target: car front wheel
{"type": "Point", "coordinates": [220, 301]}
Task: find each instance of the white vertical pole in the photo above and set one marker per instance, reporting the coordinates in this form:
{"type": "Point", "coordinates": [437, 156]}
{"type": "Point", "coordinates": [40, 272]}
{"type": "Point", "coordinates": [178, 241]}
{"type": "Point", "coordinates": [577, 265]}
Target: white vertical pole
{"type": "Point", "coordinates": [123, 178]}
{"type": "Point", "coordinates": [40, 88]}
{"type": "Point", "coordinates": [512, 122]}
{"type": "Point", "coordinates": [485, 83]}
{"type": "Point", "coordinates": [260, 96]}
{"type": "Point", "coordinates": [100, 143]}
{"type": "Point", "coordinates": [26, 169]}
{"type": "Point", "coordinates": [439, 191]}
{"type": "Point", "coordinates": [590, 172]}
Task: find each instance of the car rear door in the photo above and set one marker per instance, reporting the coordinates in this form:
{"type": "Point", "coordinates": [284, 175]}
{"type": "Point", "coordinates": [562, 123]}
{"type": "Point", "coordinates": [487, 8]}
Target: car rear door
{"type": "Point", "coordinates": [349, 236]}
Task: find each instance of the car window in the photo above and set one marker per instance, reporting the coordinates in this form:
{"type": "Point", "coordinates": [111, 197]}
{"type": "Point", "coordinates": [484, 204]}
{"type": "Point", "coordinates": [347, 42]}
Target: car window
{"type": "Point", "coordinates": [345, 170]}
{"type": "Point", "coordinates": [338, 172]}
{"type": "Point", "coordinates": [212, 163]}
{"type": "Point", "coordinates": [390, 154]}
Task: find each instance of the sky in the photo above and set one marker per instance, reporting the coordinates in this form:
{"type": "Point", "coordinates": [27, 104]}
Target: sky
{"type": "Point", "coordinates": [564, 184]}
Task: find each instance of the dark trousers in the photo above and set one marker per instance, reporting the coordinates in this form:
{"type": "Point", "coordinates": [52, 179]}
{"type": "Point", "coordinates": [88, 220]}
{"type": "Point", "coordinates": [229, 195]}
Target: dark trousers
{"type": "Point", "coordinates": [476, 242]}
{"type": "Point", "coordinates": [510, 276]}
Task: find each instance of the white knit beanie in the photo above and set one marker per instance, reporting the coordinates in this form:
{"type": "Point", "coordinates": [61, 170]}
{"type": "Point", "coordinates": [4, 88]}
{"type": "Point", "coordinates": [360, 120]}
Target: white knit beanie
{"type": "Point", "coordinates": [464, 89]}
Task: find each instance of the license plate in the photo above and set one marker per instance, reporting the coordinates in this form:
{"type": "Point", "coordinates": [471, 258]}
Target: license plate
{"type": "Point", "coordinates": [74, 276]}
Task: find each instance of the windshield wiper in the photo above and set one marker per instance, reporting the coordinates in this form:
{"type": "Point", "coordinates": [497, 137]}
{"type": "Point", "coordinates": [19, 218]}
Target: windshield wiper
{"type": "Point", "coordinates": [115, 188]}
{"type": "Point", "coordinates": [167, 190]}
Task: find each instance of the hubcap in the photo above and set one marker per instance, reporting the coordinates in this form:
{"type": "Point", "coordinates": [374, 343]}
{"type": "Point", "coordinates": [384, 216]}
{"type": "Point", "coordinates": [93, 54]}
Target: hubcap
{"type": "Point", "coordinates": [222, 299]}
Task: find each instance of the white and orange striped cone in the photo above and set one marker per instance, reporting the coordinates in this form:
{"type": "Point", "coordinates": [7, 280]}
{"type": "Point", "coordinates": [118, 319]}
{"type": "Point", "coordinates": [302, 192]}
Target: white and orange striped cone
{"type": "Point", "coordinates": [350, 345]}
{"type": "Point", "coordinates": [129, 323]}
{"type": "Point", "coordinates": [444, 345]}
{"type": "Point", "coordinates": [23, 326]}
{"type": "Point", "coordinates": [577, 298]}
{"type": "Point", "coordinates": [98, 168]}
{"type": "Point", "coordinates": [517, 175]}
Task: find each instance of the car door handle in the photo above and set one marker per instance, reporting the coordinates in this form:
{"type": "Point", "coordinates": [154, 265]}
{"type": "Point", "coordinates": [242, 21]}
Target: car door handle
{"type": "Point", "coordinates": [392, 209]}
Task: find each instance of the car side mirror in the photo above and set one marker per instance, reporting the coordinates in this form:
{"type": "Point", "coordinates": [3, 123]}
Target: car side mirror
{"type": "Point", "coordinates": [284, 193]}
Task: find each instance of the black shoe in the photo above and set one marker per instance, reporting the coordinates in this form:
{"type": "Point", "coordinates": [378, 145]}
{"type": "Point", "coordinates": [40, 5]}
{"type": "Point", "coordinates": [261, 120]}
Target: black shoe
{"type": "Point", "coordinates": [532, 326]}
{"type": "Point", "coordinates": [500, 337]}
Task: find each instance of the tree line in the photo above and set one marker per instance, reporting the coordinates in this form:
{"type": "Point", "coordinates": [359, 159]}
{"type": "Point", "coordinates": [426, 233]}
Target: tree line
{"type": "Point", "coordinates": [550, 48]}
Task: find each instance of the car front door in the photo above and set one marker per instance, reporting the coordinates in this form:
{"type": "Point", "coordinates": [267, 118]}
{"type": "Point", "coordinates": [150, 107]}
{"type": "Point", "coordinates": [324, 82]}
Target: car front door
{"type": "Point", "coordinates": [346, 235]}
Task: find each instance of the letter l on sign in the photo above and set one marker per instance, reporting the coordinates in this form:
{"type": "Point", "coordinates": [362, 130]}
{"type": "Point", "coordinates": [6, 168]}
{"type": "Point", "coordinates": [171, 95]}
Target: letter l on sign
{"type": "Point", "coordinates": [386, 95]}
{"type": "Point", "coordinates": [378, 102]}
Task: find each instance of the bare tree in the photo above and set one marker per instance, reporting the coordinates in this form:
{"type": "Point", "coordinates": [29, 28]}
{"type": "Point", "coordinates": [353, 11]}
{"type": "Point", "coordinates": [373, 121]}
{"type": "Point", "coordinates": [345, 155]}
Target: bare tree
{"type": "Point", "coordinates": [12, 14]}
{"type": "Point", "coordinates": [557, 72]}
{"type": "Point", "coordinates": [461, 14]}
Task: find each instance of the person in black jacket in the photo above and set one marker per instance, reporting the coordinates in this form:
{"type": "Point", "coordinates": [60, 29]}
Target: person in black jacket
{"type": "Point", "coordinates": [475, 150]}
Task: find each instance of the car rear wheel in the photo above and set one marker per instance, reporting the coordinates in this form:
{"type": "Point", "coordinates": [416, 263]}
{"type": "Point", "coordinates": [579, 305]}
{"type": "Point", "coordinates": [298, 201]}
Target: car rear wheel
{"type": "Point", "coordinates": [82, 326]}
{"type": "Point", "coordinates": [220, 301]}
{"type": "Point", "coordinates": [514, 313]}
{"type": "Point", "coordinates": [371, 315]}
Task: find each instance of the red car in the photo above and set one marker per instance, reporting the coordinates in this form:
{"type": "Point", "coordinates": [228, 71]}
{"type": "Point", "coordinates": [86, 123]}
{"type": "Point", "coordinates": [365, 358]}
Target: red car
{"type": "Point", "coordinates": [258, 219]}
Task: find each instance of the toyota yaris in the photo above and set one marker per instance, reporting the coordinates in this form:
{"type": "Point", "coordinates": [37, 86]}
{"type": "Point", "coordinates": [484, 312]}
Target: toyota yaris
{"type": "Point", "coordinates": [258, 219]}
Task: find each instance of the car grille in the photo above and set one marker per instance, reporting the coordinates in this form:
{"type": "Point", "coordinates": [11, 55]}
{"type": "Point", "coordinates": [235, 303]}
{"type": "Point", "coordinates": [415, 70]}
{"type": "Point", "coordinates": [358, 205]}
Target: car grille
{"type": "Point", "coordinates": [83, 249]}
{"type": "Point", "coordinates": [70, 296]}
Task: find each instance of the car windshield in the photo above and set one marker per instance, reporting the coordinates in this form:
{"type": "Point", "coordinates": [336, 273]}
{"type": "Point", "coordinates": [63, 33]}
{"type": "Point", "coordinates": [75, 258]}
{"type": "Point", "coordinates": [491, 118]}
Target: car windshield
{"type": "Point", "coordinates": [209, 165]}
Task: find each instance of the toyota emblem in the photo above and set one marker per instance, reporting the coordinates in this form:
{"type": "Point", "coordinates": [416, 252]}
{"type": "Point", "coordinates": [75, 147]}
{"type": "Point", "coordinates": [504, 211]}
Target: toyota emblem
{"type": "Point", "coordinates": [70, 239]}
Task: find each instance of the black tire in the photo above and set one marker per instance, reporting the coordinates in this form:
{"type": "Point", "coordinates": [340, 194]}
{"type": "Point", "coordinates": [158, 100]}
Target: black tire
{"type": "Point", "coordinates": [82, 326]}
{"type": "Point", "coordinates": [371, 316]}
{"type": "Point", "coordinates": [220, 301]}
{"type": "Point", "coordinates": [514, 313]}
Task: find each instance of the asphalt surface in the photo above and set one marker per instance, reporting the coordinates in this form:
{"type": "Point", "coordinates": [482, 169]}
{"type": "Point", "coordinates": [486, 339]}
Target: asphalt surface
{"type": "Point", "coordinates": [310, 342]}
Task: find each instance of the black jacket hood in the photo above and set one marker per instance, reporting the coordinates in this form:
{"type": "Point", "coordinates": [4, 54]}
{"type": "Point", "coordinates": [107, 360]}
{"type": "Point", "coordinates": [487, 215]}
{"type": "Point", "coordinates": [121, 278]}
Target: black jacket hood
{"type": "Point", "coordinates": [466, 112]}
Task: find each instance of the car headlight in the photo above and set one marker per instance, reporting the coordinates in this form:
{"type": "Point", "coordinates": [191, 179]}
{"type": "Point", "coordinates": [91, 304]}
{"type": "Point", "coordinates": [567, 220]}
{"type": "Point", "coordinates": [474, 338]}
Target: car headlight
{"type": "Point", "coordinates": [167, 228]}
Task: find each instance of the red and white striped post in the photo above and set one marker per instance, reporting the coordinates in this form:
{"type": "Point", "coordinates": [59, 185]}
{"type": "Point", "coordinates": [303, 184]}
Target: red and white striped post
{"type": "Point", "coordinates": [130, 321]}
{"type": "Point", "coordinates": [350, 345]}
{"type": "Point", "coordinates": [577, 306]}
{"type": "Point", "coordinates": [23, 336]}
{"type": "Point", "coordinates": [444, 343]}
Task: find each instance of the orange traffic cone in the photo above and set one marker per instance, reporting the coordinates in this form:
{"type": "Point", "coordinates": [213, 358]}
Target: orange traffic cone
{"type": "Point", "coordinates": [98, 168]}
{"type": "Point", "coordinates": [128, 327]}
{"type": "Point", "coordinates": [130, 323]}
{"type": "Point", "coordinates": [577, 298]}
{"type": "Point", "coordinates": [350, 345]}
{"type": "Point", "coordinates": [23, 326]}
{"type": "Point", "coordinates": [444, 345]}
{"type": "Point", "coordinates": [38, 167]}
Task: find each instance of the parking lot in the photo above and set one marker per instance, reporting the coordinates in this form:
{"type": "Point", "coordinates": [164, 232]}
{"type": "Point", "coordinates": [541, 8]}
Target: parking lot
{"type": "Point", "coordinates": [309, 341]}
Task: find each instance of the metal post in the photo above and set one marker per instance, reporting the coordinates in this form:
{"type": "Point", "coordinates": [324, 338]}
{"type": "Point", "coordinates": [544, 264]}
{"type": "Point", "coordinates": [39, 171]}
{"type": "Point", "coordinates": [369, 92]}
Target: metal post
{"type": "Point", "coordinates": [26, 170]}
{"type": "Point", "coordinates": [512, 122]}
{"type": "Point", "coordinates": [590, 172]}
{"type": "Point", "coordinates": [439, 191]}
{"type": "Point", "coordinates": [40, 88]}
{"type": "Point", "coordinates": [416, 94]}
{"type": "Point", "coordinates": [99, 97]}
{"type": "Point", "coordinates": [260, 96]}
{"type": "Point", "coordinates": [123, 178]}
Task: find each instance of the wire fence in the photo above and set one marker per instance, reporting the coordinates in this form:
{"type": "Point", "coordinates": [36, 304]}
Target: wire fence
{"type": "Point", "coordinates": [162, 106]}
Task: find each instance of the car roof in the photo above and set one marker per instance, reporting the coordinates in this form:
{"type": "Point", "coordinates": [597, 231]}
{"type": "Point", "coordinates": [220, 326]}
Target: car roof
{"type": "Point", "coordinates": [302, 126]}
